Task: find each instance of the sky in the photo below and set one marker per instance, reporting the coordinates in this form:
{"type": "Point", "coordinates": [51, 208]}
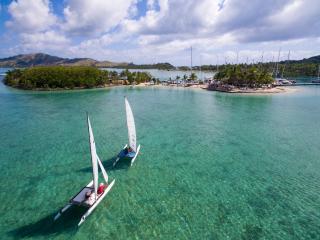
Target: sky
{"type": "Point", "coordinates": [151, 31]}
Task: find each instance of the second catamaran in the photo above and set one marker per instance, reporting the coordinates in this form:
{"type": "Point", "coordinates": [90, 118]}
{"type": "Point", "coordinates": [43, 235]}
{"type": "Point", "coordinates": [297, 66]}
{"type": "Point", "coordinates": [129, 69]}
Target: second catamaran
{"type": "Point", "coordinates": [130, 151]}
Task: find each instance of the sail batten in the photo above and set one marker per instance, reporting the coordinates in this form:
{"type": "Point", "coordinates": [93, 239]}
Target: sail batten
{"type": "Point", "coordinates": [94, 158]}
{"type": "Point", "coordinates": [131, 127]}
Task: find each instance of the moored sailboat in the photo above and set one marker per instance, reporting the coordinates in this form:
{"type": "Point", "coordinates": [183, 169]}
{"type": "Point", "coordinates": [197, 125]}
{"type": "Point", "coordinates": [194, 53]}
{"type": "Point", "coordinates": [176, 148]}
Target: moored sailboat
{"type": "Point", "coordinates": [129, 151]}
{"type": "Point", "coordinates": [318, 79]}
{"type": "Point", "coordinates": [90, 196]}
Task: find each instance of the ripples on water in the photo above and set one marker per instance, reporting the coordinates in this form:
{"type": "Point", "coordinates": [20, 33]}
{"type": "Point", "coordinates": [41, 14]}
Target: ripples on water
{"type": "Point", "coordinates": [212, 165]}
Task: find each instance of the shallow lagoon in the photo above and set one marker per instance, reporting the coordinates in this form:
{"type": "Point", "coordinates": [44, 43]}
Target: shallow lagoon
{"type": "Point", "coordinates": [212, 165]}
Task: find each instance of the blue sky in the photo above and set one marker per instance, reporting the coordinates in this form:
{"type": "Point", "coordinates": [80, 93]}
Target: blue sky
{"type": "Point", "coordinates": [149, 31]}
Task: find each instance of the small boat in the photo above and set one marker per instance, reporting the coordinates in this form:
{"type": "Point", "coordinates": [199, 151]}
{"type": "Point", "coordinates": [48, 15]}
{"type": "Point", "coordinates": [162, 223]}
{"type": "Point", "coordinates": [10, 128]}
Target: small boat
{"type": "Point", "coordinates": [129, 151]}
{"type": "Point", "coordinates": [283, 81]}
{"type": "Point", "coordinates": [89, 196]}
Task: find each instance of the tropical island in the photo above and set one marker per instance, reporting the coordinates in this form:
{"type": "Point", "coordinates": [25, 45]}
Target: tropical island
{"type": "Point", "coordinates": [71, 77]}
{"type": "Point", "coordinates": [238, 79]}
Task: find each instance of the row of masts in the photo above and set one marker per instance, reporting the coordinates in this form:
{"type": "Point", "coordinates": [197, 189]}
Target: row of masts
{"type": "Point", "coordinates": [237, 59]}
{"type": "Point", "coordinates": [275, 69]}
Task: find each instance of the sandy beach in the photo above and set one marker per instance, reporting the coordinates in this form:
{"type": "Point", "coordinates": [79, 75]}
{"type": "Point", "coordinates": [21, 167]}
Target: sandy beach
{"type": "Point", "coordinates": [282, 89]}
{"type": "Point", "coordinates": [265, 90]}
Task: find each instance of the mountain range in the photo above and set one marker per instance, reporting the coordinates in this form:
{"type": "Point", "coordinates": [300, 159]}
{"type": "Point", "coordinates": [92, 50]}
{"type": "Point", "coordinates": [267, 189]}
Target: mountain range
{"type": "Point", "coordinates": [42, 59]}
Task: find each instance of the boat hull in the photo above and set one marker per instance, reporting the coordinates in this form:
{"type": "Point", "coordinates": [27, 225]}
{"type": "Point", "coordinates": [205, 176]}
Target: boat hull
{"type": "Point", "coordinates": [90, 210]}
{"type": "Point", "coordinates": [133, 159]}
{"type": "Point", "coordinates": [125, 156]}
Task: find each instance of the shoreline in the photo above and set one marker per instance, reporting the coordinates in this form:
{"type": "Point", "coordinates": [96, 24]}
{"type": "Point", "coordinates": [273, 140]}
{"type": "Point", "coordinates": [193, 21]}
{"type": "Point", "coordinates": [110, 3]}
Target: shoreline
{"type": "Point", "coordinates": [258, 91]}
{"type": "Point", "coordinates": [262, 91]}
{"type": "Point", "coordinates": [64, 89]}
{"type": "Point", "coordinates": [253, 91]}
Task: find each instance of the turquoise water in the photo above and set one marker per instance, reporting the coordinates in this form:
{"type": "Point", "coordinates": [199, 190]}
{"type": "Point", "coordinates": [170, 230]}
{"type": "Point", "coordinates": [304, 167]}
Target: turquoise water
{"type": "Point", "coordinates": [212, 165]}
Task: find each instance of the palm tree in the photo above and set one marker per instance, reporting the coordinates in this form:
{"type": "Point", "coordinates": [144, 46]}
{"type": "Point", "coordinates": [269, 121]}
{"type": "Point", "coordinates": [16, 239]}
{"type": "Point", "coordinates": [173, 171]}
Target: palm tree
{"type": "Point", "coordinates": [177, 79]}
{"type": "Point", "coordinates": [185, 77]}
{"type": "Point", "coordinates": [193, 76]}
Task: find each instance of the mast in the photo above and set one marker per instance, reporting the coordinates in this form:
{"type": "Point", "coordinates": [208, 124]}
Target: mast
{"type": "Point", "coordinates": [225, 60]}
{"type": "Point", "coordinates": [277, 67]}
{"type": "Point", "coordinates": [94, 160]}
{"type": "Point", "coordinates": [273, 65]}
{"type": "Point", "coordinates": [191, 59]}
{"type": "Point", "coordinates": [285, 65]}
{"type": "Point", "coordinates": [237, 57]}
{"type": "Point", "coordinates": [247, 62]}
{"type": "Point", "coordinates": [200, 68]}
{"type": "Point", "coordinates": [261, 60]}
{"type": "Point", "coordinates": [217, 63]}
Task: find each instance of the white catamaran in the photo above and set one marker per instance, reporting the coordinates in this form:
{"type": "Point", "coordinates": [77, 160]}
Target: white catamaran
{"type": "Point", "coordinates": [129, 151]}
{"type": "Point", "coordinates": [89, 196]}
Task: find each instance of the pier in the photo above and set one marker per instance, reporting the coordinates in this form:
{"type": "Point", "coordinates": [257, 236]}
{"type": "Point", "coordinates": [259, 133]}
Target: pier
{"type": "Point", "coordinates": [297, 84]}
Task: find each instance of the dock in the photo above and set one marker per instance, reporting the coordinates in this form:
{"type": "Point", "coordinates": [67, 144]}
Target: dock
{"type": "Point", "coordinates": [297, 84]}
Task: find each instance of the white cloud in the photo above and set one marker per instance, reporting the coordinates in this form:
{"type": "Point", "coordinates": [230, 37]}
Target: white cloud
{"type": "Point", "coordinates": [163, 30]}
{"type": "Point", "coordinates": [177, 17]}
{"type": "Point", "coordinates": [49, 40]}
{"type": "Point", "coordinates": [83, 17]}
{"type": "Point", "coordinates": [30, 15]}
{"type": "Point", "coordinates": [92, 47]}
{"type": "Point", "coordinates": [251, 21]}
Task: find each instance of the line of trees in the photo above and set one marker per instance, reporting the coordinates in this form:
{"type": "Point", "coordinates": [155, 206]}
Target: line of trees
{"type": "Point", "coordinates": [135, 77]}
{"type": "Point", "coordinates": [285, 68]}
{"type": "Point", "coordinates": [160, 66]}
{"type": "Point", "coordinates": [70, 77]}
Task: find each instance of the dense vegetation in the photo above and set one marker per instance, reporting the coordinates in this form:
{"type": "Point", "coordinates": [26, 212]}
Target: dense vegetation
{"type": "Point", "coordinates": [70, 77]}
{"type": "Point", "coordinates": [135, 77]}
{"type": "Point", "coordinates": [241, 76]}
{"type": "Point", "coordinates": [160, 66]}
{"type": "Point", "coordinates": [285, 68]}
{"type": "Point", "coordinates": [298, 69]}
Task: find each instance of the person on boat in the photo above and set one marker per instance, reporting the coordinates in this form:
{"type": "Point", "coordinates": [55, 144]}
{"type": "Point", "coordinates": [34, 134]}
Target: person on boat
{"type": "Point", "coordinates": [129, 149]}
{"type": "Point", "coordinates": [89, 197]}
{"type": "Point", "coordinates": [126, 150]}
{"type": "Point", "coordinates": [101, 188]}
{"type": "Point", "coordinates": [88, 194]}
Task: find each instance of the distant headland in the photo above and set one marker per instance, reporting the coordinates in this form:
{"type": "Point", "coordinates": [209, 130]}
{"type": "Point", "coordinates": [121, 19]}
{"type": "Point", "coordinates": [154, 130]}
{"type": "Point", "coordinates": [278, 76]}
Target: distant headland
{"type": "Point", "coordinates": [42, 59]}
{"type": "Point", "coordinates": [292, 68]}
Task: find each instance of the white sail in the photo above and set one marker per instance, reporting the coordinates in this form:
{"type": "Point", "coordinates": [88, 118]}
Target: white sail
{"type": "Point", "coordinates": [131, 127]}
{"type": "Point", "coordinates": [80, 198]}
{"type": "Point", "coordinates": [93, 158]}
{"type": "Point", "coordinates": [104, 173]}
